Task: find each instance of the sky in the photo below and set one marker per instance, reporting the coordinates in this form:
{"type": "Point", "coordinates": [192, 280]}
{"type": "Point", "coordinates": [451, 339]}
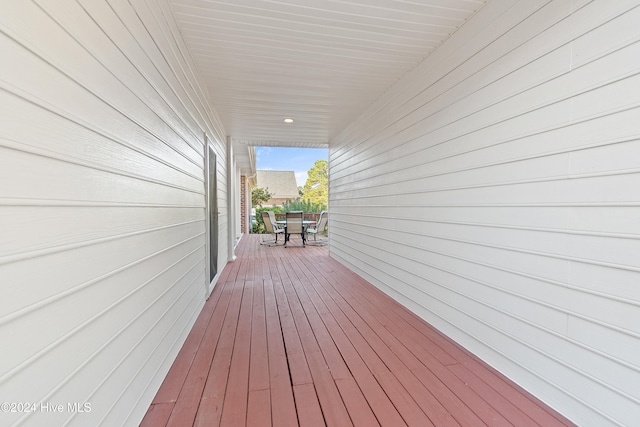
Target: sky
{"type": "Point", "coordinates": [299, 160]}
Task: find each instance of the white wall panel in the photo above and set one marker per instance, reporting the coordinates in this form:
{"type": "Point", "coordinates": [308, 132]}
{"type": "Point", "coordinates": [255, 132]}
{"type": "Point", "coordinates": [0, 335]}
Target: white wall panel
{"type": "Point", "coordinates": [493, 190]}
{"type": "Point", "coordinates": [102, 205]}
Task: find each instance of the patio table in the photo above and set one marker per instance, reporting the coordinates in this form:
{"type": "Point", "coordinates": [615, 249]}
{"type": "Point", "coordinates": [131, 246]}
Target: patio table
{"type": "Point", "coordinates": [305, 224]}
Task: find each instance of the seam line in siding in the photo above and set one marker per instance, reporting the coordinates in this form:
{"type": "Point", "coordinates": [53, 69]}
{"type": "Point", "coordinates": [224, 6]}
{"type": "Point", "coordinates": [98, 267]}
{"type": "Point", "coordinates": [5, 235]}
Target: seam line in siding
{"type": "Point", "coordinates": [51, 299]}
{"type": "Point", "coordinates": [557, 178]}
{"type": "Point", "coordinates": [489, 225]}
{"type": "Point", "coordinates": [196, 149]}
{"type": "Point", "coordinates": [550, 281]}
{"type": "Point", "coordinates": [27, 149]}
{"type": "Point", "coordinates": [96, 96]}
{"type": "Point", "coordinates": [113, 337]}
{"type": "Point", "coordinates": [28, 361]}
{"type": "Point", "coordinates": [570, 150]}
{"type": "Point", "coordinates": [65, 203]}
{"type": "Point", "coordinates": [208, 115]}
{"type": "Point", "coordinates": [573, 122]}
{"type": "Point", "coordinates": [63, 248]}
{"type": "Point", "coordinates": [530, 299]}
{"type": "Point", "coordinates": [198, 307]}
{"type": "Point", "coordinates": [372, 115]}
{"type": "Point", "coordinates": [69, 117]}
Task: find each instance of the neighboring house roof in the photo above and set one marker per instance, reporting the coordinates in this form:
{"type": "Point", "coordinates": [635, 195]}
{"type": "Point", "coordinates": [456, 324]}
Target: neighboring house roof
{"type": "Point", "coordinates": [281, 184]}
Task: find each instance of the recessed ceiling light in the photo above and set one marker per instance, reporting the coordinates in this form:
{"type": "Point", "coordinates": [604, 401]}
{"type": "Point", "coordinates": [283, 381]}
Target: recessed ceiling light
{"type": "Point", "coordinates": [288, 120]}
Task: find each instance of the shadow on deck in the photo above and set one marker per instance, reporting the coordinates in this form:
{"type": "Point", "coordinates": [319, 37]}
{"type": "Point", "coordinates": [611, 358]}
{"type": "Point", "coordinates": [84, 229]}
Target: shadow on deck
{"type": "Point", "coordinates": [291, 337]}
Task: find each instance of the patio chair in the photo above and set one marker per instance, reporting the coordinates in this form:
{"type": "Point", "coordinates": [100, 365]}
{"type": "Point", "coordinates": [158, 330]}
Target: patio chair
{"type": "Point", "coordinates": [274, 221]}
{"type": "Point", "coordinates": [321, 225]}
{"type": "Point", "coordinates": [271, 227]}
{"type": "Point", "coordinates": [294, 226]}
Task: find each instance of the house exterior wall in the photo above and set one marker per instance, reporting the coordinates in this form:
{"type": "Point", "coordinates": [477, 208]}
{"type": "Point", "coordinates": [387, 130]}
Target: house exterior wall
{"type": "Point", "coordinates": [279, 201]}
{"type": "Point", "coordinates": [102, 206]}
{"type": "Point", "coordinates": [280, 184]}
{"type": "Point", "coordinates": [244, 211]}
{"type": "Point", "coordinates": [494, 191]}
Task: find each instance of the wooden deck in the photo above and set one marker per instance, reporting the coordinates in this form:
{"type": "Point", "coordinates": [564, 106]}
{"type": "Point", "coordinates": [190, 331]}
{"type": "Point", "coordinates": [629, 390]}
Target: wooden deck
{"type": "Point", "coordinates": [290, 337]}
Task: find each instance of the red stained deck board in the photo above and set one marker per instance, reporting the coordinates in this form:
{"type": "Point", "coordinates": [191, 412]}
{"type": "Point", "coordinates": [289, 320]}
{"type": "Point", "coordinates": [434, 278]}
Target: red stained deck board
{"type": "Point", "coordinates": [438, 342]}
{"type": "Point", "coordinates": [528, 404]}
{"type": "Point", "coordinates": [374, 394]}
{"type": "Point", "coordinates": [259, 408]}
{"type": "Point", "coordinates": [298, 368]}
{"type": "Point", "coordinates": [359, 410]}
{"type": "Point", "coordinates": [398, 360]}
{"type": "Point", "coordinates": [315, 326]}
{"type": "Point", "coordinates": [334, 410]}
{"type": "Point", "coordinates": [309, 411]}
{"type": "Point", "coordinates": [259, 374]}
{"type": "Point", "coordinates": [172, 383]}
{"type": "Point", "coordinates": [389, 342]}
{"type": "Point", "coordinates": [293, 338]}
{"type": "Point", "coordinates": [508, 390]}
{"type": "Point", "coordinates": [283, 410]}
{"type": "Point", "coordinates": [510, 412]}
{"type": "Point", "coordinates": [186, 377]}
{"type": "Point", "coordinates": [453, 394]}
{"type": "Point", "coordinates": [157, 414]}
{"type": "Point", "coordinates": [209, 410]}
{"type": "Point", "coordinates": [234, 412]}
{"type": "Point", "coordinates": [363, 339]}
{"type": "Point", "coordinates": [230, 272]}
{"type": "Point", "coordinates": [399, 317]}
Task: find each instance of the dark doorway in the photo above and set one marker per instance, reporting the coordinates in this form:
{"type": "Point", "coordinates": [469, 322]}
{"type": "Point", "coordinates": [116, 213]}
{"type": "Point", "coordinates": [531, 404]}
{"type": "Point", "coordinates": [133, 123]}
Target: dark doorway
{"type": "Point", "coordinates": [213, 215]}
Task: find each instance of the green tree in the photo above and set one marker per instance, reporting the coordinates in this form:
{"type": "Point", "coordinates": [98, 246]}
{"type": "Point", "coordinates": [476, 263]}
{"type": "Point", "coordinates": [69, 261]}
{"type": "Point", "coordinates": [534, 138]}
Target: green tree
{"type": "Point", "coordinates": [259, 196]}
{"type": "Point", "coordinates": [305, 206]}
{"type": "Point", "coordinates": [316, 189]}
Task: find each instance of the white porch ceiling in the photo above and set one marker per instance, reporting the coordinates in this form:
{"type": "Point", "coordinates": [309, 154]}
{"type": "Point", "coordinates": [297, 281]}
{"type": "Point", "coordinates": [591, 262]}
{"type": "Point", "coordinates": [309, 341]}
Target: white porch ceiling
{"type": "Point", "coordinates": [320, 62]}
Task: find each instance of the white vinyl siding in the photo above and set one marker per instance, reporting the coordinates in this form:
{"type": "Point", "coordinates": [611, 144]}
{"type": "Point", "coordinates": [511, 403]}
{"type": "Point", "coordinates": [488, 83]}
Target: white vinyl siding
{"type": "Point", "coordinates": [102, 206]}
{"type": "Point", "coordinates": [494, 191]}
